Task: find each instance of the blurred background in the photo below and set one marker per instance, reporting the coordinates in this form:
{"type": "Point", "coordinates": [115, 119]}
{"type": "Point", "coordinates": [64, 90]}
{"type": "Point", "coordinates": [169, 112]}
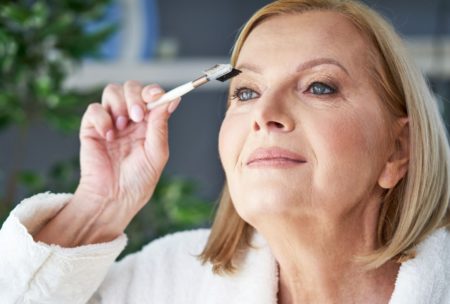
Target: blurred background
{"type": "Point", "coordinates": [56, 56]}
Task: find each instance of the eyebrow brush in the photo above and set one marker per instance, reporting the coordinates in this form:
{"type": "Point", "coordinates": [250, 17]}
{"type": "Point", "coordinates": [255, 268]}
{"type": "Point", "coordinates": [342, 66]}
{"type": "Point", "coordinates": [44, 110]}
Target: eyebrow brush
{"type": "Point", "coordinates": [221, 72]}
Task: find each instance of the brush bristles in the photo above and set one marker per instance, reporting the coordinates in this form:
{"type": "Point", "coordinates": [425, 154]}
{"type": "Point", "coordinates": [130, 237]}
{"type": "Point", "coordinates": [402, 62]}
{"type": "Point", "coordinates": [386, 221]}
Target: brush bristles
{"type": "Point", "coordinates": [221, 72]}
{"type": "Point", "coordinates": [231, 74]}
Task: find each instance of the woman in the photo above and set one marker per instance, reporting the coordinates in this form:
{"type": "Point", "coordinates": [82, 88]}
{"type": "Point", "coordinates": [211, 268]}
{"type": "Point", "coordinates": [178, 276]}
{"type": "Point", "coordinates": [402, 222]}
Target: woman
{"type": "Point", "coordinates": [337, 169]}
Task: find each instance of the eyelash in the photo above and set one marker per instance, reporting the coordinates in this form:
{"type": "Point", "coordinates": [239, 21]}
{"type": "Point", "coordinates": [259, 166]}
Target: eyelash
{"type": "Point", "coordinates": [330, 88]}
{"type": "Point", "coordinates": [238, 91]}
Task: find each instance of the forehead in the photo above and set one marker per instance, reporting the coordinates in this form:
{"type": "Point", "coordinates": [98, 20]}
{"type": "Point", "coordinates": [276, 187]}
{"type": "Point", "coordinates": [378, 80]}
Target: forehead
{"type": "Point", "coordinates": [309, 34]}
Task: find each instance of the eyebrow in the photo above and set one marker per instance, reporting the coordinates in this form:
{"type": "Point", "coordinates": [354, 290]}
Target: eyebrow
{"type": "Point", "coordinates": [302, 66]}
{"type": "Point", "coordinates": [315, 62]}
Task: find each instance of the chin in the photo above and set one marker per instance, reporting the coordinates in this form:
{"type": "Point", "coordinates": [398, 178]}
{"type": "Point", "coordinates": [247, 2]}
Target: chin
{"type": "Point", "coordinates": [258, 204]}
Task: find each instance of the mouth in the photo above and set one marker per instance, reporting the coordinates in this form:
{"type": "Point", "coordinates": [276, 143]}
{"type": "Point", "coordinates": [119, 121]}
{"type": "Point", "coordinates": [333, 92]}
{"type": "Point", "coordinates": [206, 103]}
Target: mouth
{"type": "Point", "coordinates": [274, 157]}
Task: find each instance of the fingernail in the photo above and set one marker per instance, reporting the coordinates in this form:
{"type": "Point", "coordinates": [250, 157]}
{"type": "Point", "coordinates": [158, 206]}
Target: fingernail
{"type": "Point", "coordinates": [173, 105]}
{"type": "Point", "coordinates": [136, 113]}
{"type": "Point", "coordinates": [154, 91]}
{"type": "Point", "coordinates": [121, 122]}
{"type": "Point", "coordinates": [109, 135]}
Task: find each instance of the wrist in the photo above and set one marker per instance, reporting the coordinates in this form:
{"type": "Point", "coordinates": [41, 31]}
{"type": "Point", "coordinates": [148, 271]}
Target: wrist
{"type": "Point", "coordinates": [80, 222]}
{"type": "Point", "coordinates": [103, 220]}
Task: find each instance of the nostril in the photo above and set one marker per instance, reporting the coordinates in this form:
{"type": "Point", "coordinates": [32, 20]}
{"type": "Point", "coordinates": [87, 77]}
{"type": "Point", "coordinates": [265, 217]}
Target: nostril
{"type": "Point", "coordinates": [275, 124]}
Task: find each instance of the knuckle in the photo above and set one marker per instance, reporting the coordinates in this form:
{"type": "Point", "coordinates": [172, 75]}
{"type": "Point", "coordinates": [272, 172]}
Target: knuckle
{"type": "Point", "coordinates": [93, 107]}
{"type": "Point", "coordinates": [96, 113]}
{"type": "Point", "coordinates": [111, 88]}
{"type": "Point", "coordinates": [132, 83]}
{"type": "Point", "coordinates": [92, 114]}
{"type": "Point", "coordinates": [153, 86]}
{"type": "Point", "coordinates": [110, 91]}
{"type": "Point", "coordinates": [152, 89]}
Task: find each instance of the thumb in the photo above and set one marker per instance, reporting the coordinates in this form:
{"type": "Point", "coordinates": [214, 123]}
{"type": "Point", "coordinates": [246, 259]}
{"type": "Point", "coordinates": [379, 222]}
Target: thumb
{"type": "Point", "coordinates": [157, 134]}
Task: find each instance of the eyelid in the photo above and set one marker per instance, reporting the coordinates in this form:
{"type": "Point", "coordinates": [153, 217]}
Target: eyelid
{"type": "Point", "coordinates": [325, 83]}
{"type": "Point", "coordinates": [240, 84]}
{"type": "Point", "coordinates": [325, 79]}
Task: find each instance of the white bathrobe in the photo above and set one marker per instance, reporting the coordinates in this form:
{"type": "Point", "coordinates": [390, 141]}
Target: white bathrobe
{"type": "Point", "coordinates": [167, 270]}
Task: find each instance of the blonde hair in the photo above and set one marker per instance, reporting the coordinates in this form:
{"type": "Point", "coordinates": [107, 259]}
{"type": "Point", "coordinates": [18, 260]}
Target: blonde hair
{"type": "Point", "coordinates": [419, 203]}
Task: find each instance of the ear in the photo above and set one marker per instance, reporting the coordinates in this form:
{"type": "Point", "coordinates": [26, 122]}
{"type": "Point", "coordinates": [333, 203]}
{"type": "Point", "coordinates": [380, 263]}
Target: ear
{"type": "Point", "coordinates": [397, 164]}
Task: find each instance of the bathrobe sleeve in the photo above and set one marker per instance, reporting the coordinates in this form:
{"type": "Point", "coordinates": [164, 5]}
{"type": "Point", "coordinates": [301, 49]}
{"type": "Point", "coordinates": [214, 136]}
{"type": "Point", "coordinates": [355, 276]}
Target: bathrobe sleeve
{"type": "Point", "coordinates": [34, 272]}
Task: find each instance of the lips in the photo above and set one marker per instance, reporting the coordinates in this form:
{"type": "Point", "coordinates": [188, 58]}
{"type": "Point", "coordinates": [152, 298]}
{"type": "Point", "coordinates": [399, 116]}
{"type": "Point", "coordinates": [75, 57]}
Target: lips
{"type": "Point", "coordinates": [274, 156]}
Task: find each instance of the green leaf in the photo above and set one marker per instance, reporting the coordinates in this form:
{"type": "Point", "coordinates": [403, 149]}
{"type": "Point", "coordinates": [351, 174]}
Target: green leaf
{"type": "Point", "coordinates": [31, 180]}
{"type": "Point", "coordinates": [14, 13]}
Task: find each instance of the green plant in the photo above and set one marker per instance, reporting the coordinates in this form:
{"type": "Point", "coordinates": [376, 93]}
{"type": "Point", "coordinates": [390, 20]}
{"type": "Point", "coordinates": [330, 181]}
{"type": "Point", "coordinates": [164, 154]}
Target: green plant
{"type": "Point", "coordinates": [40, 41]}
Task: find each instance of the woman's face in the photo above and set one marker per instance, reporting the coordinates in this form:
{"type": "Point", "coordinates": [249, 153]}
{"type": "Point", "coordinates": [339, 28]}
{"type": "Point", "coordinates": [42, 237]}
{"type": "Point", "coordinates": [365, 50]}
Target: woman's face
{"type": "Point", "coordinates": [305, 133]}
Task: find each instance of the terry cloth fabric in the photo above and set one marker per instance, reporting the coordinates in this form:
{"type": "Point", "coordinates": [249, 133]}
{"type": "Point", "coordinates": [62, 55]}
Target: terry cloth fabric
{"type": "Point", "coordinates": [167, 270]}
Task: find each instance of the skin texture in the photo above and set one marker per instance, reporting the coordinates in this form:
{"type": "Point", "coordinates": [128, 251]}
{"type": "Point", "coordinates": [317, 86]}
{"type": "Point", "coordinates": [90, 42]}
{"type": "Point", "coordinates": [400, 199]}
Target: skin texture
{"type": "Point", "coordinates": [124, 149]}
{"type": "Point", "coordinates": [305, 88]}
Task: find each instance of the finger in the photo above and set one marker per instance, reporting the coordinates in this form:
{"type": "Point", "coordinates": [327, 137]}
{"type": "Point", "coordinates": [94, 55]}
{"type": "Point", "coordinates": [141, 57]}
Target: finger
{"type": "Point", "coordinates": [134, 101]}
{"type": "Point", "coordinates": [174, 105]}
{"type": "Point", "coordinates": [151, 93]}
{"type": "Point", "coordinates": [113, 100]}
{"type": "Point", "coordinates": [156, 139]}
{"type": "Point", "coordinates": [97, 122]}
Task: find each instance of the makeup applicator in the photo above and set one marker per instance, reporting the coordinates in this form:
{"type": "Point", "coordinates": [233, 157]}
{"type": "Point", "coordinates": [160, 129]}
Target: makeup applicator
{"type": "Point", "coordinates": [221, 72]}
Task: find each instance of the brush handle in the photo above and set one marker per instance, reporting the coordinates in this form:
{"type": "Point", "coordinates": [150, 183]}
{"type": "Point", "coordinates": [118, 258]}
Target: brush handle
{"type": "Point", "coordinates": [171, 95]}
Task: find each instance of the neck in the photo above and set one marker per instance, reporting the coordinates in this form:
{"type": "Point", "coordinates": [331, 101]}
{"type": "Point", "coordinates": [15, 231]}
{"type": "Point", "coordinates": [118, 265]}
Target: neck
{"type": "Point", "coordinates": [317, 260]}
{"type": "Point", "coordinates": [337, 285]}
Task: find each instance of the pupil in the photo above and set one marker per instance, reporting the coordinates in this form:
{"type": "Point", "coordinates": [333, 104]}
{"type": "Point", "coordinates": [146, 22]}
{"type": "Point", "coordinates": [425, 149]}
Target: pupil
{"type": "Point", "coordinates": [245, 95]}
{"type": "Point", "coordinates": [319, 89]}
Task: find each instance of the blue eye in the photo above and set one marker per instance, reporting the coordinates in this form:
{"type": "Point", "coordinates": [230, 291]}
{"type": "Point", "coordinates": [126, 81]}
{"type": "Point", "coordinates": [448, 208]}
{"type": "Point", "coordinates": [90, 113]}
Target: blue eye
{"type": "Point", "coordinates": [319, 88]}
{"type": "Point", "coordinates": [244, 94]}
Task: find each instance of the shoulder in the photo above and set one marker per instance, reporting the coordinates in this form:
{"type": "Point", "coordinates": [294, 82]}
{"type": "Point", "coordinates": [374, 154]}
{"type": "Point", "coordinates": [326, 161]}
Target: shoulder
{"type": "Point", "coordinates": [435, 249]}
{"type": "Point", "coordinates": [180, 242]}
{"type": "Point", "coordinates": [171, 261]}
{"type": "Point", "coordinates": [433, 264]}
{"type": "Point", "coordinates": [180, 249]}
{"type": "Point", "coordinates": [158, 272]}
{"type": "Point", "coordinates": [425, 278]}
{"type": "Point", "coordinates": [168, 270]}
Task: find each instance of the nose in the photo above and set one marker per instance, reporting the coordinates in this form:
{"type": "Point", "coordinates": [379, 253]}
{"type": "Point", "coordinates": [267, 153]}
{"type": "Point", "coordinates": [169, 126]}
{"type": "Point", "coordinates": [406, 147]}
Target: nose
{"type": "Point", "coordinates": [272, 114]}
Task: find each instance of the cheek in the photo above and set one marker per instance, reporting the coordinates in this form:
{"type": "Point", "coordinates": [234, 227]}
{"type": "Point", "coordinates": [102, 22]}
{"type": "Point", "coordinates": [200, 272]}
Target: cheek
{"type": "Point", "coordinates": [347, 137]}
{"type": "Point", "coordinates": [349, 152]}
{"type": "Point", "coordinates": [363, 136]}
{"type": "Point", "coordinates": [231, 138]}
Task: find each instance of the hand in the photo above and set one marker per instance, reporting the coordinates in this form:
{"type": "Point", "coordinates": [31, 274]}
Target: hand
{"type": "Point", "coordinates": [124, 148]}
